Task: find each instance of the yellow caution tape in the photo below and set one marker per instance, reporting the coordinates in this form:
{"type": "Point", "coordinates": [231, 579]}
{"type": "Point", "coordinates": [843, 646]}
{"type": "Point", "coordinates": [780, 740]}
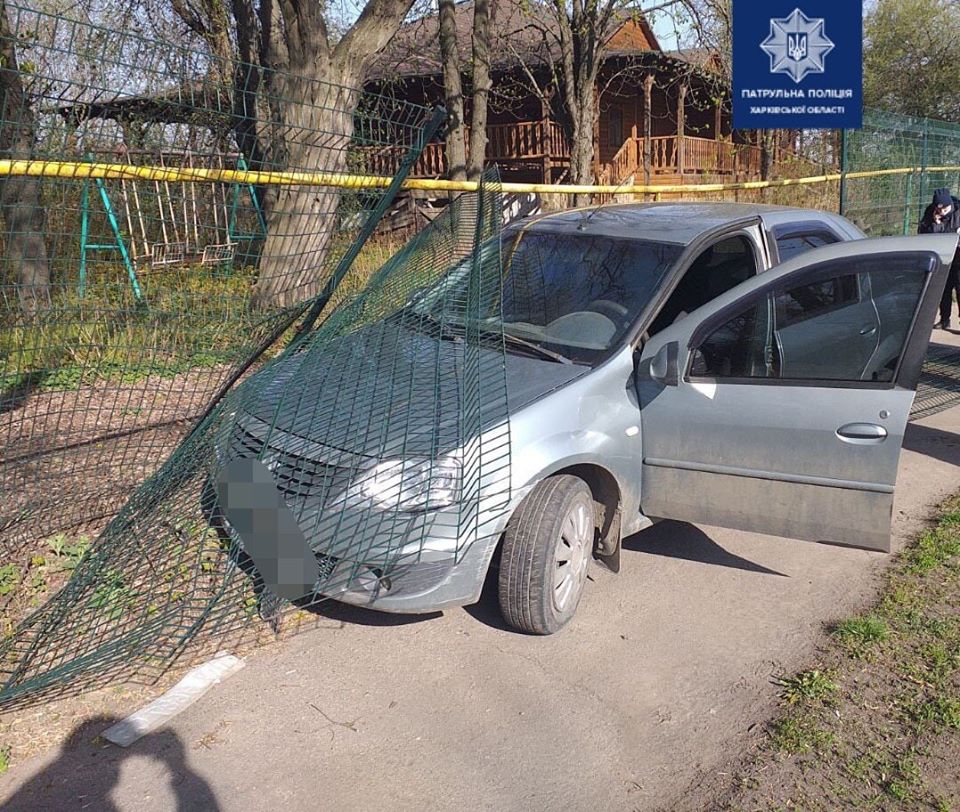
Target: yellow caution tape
{"type": "Point", "coordinates": [107, 171]}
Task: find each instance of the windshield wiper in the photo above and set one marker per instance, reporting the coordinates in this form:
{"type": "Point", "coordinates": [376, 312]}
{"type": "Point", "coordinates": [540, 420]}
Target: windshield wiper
{"type": "Point", "coordinates": [543, 352]}
{"type": "Point", "coordinates": [455, 331]}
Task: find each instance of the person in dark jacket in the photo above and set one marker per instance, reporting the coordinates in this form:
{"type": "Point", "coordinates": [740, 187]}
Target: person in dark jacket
{"type": "Point", "coordinates": [941, 217]}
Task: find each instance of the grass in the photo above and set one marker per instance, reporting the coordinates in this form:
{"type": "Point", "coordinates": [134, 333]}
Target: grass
{"type": "Point", "coordinates": [68, 551]}
{"type": "Point", "coordinates": [799, 734]}
{"type": "Point", "coordinates": [809, 686]}
{"type": "Point", "coordinates": [876, 724]}
{"type": "Point", "coordinates": [195, 317]}
{"type": "Point", "coordinates": [26, 584]}
{"type": "Point", "coordinates": [859, 636]}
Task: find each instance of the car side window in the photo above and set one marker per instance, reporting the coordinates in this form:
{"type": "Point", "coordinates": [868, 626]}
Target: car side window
{"type": "Point", "coordinates": [791, 244]}
{"type": "Point", "coordinates": [808, 301]}
{"type": "Point", "coordinates": [720, 267]}
{"type": "Point", "coordinates": [739, 348]}
{"type": "Point", "coordinates": [845, 327]}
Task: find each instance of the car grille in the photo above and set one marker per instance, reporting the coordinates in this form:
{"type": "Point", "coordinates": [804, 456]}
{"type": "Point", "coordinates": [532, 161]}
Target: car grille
{"type": "Point", "coordinates": [298, 477]}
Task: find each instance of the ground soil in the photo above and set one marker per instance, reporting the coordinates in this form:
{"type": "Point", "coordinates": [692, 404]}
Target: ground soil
{"type": "Point", "coordinates": [666, 673]}
{"type": "Point", "coordinates": [70, 458]}
{"type": "Point", "coordinates": [886, 736]}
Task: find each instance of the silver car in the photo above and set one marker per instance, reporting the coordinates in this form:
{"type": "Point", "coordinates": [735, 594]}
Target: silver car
{"type": "Point", "coordinates": [745, 366]}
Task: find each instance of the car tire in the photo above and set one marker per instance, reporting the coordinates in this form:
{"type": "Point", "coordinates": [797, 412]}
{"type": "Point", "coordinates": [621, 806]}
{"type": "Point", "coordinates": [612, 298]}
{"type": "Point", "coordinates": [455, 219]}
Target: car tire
{"type": "Point", "coordinates": [546, 553]}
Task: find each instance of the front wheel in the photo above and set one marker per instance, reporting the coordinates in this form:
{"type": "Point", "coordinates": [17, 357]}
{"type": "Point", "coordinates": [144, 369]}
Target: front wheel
{"type": "Point", "coordinates": [547, 548]}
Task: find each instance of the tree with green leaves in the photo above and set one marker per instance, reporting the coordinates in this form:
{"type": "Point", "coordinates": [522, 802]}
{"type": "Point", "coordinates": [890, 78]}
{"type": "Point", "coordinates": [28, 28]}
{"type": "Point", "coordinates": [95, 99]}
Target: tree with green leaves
{"type": "Point", "coordinates": [910, 61]}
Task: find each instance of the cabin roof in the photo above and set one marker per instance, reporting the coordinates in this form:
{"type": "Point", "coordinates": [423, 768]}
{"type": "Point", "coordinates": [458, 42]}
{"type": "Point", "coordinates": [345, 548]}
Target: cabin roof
{"type": "Point", "coordinates": [520, 35]}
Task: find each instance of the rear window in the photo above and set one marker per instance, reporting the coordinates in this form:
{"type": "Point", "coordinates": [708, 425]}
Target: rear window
{"type": "Point", "coordinates": [789, 245]}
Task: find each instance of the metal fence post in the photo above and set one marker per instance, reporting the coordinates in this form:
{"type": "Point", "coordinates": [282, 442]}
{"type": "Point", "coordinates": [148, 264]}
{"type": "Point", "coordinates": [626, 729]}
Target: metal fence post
{"type": "Point", "coordinates": [923, 171]}
{"type": "Point", "coordinates": [908, 203]}
{"type": "Point", "coordinates": [843, 171]}
{"type": "Point", "coordinates": [84, 233]}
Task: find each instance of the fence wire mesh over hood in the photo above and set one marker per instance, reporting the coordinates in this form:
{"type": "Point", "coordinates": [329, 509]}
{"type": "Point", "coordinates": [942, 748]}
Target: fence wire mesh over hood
{"type": "Point", "coordinates": [364, 459]}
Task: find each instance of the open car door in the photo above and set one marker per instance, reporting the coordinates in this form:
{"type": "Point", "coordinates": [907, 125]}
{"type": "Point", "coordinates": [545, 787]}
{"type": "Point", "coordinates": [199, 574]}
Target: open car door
{"type": "Point", "coordinates": [780, 406]}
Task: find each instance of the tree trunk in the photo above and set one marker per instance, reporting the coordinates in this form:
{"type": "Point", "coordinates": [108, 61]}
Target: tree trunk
{"type": "Point", "coordinates": [315, 136]}
{"type": "Point", "coordinates": [580, 38]}
{"type": "Point", "coordinates": [455, 148]}
{"type": "Point", "coordinates": [482, 19]}
{"type": "Point", "coordinates": [766, 153]}
{"type": "Point", "coordinates": [23, 213]}
{"type": "Point", "coordinates": [312, 91]}
{"type": "Point", "coordinates": [581, 139]}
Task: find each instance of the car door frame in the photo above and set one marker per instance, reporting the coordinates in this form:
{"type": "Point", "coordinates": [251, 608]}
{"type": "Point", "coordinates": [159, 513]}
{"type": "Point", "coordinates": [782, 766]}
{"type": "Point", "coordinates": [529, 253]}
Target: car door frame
{"type": "Point", "coordinates": [761, 255]}
{"type": "Point", "coordinates": [688, 336]}
{"type": "Point", "coordinates": [913, 354]}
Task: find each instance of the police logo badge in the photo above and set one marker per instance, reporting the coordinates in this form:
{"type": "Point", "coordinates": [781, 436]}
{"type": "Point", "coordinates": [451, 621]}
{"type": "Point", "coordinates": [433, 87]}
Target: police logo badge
{"type": "Point", "coordinates": [797, 45]}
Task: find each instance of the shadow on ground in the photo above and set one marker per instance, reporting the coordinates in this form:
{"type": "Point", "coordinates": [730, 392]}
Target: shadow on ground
{"type": "Point", "coordinates": [87, 771]}
{"type": "Point", "coordinates": [681, 540]}
{"type": "Point", "coordinates": [932, 442]}
{"type": "Point", "coordinates": [667, 538]}
{"type": "Point", "coordinates": [358, 616]}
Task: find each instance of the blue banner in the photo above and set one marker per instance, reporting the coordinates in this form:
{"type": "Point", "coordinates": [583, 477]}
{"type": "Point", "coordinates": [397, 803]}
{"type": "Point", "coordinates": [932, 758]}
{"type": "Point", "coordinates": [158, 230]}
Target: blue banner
{"type": "Point", "coordinates": [797, 64]}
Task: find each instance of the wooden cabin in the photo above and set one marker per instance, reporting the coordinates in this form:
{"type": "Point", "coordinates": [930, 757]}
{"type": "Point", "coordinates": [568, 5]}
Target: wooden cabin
{"type": "Point", "coordinates": [663, 117]}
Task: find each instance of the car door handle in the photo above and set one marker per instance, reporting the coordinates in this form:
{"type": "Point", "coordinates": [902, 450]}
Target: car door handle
{"type": "Point", "coordinates": [868, 330]}
{"type": "Point", "coordinates": [862, 433]}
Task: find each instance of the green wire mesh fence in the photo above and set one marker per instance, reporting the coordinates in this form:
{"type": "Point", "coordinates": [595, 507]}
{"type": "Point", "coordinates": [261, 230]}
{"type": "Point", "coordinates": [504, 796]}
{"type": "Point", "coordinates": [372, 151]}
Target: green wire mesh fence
{"type": "Point", "coordinates": [366, 458]}
{"type": "Point", "coordinates": [126, 304]}
{"type": "Point", "coordinates": [270, 318]}
{"type": "Point", "coordinates": [893, 203]}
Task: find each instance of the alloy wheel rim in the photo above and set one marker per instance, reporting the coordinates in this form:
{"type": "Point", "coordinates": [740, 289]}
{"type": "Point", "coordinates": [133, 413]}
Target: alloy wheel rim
{"type": "Point", "coordinates": [571, 555]}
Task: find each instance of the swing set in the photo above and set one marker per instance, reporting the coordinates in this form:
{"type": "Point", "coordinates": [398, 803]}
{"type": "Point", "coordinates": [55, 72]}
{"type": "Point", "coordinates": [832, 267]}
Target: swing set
{"type": "Point", "coordinates": [170, 225]}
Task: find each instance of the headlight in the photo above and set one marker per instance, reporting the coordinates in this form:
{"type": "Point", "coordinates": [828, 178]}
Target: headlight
{"type": "Point", "coordinates": [410, 484]}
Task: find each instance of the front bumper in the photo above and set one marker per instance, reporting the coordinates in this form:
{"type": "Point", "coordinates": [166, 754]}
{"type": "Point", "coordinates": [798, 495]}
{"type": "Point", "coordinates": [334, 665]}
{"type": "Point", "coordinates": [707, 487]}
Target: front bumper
{"type": "Point", "coordinates": [385, 560]}
{"type": "Point", "coordinates": [427, 572]}
{"type": "Point", "coordinates": [433, 582]}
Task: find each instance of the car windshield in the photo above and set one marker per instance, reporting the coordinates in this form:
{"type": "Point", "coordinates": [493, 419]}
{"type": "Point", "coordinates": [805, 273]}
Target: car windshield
{"type": "Point", "coordinates": [575, 294]}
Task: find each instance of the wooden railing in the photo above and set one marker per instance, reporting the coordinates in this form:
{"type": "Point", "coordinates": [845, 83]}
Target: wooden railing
{"type": "Point", "coordinates": [663, 155]}
{"type": "Point", "coordinates": [386, 161]}
{"type": "Point", "coordinates": [670, 155]}
{"type": "Point", "coordinates": [524, 140]}
{"type": "Point", "coordinates": [537, 140]}
{"type": "Point", "coordinates": [626, 162]}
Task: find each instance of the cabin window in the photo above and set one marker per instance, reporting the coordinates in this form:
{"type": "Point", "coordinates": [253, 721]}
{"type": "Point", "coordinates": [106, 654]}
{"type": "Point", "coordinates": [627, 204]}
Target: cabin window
{"type": "Point", "coordinates": [615, 127]}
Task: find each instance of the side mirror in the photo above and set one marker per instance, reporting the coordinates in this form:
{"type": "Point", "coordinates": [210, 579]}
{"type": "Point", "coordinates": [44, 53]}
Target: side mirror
{"type": "Point", "coordinates": [664, 365]}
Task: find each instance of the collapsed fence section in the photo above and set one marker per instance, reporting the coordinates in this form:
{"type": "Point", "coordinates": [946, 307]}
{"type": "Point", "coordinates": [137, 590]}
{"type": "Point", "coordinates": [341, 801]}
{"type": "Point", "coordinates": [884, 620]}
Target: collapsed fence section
{"type": "Point", "coordinates": [386, 429]}
{"type": "Point", "coordinates": [126, 303]}
{"type": "Point", "coordinates": [165, 333]}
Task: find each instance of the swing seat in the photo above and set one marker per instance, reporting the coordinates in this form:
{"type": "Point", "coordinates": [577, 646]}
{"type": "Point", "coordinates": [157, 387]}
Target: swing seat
{"type": "Point", "coordinates": [218, 254]}
{"type": "Point", "coordinates": [168, 253]}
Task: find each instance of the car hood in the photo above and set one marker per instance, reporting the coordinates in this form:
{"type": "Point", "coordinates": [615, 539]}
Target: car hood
{"type": "Point", "coordinates": [386, 390]}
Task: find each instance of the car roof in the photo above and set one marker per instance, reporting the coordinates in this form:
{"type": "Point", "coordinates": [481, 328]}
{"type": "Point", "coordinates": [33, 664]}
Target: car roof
{"type": "Point", "coordinates": [678, 223]}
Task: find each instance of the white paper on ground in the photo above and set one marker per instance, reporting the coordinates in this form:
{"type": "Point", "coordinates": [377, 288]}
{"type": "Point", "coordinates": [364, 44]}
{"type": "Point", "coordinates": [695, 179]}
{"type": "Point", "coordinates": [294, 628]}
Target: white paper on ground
{"type": "Point", "coordinates": [194, 685]}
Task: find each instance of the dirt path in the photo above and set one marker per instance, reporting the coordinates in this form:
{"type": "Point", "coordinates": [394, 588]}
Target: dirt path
{"type": "Point", "coordinates": [71, 458]}
{"type": "Point", "coordinates": [658, 683]}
